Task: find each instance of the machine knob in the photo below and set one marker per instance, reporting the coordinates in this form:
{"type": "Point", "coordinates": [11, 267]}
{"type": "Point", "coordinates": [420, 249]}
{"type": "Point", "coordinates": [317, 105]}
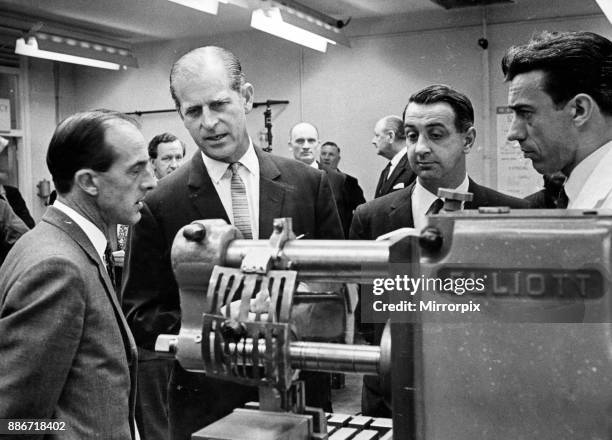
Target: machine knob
{"type": "Point", "coordinates": [194, 232]}
{"type": "Point", "coordinates": [430, 239]}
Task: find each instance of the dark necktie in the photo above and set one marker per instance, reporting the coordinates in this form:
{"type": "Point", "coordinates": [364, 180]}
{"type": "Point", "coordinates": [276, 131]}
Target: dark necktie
{"type": "Point", "coordinates": [381, 181]}
{"type": "Point", "coordinates": [435, 207]}
{"type": "Point", "coordinates": [240, 203]}
{"type": "Point", "coordinates": [109, 261]}
{"type": "Point", "coordinates": [562, 200]}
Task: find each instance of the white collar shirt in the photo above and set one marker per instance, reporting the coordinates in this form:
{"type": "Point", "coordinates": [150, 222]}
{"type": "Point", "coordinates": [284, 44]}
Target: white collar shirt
{"type": "Point", "coordinates": [422, 199]}
{"type": "Point", "coordinates": [221, 177]}
{"type": "Point", "coordinates": [95, 235]}
{"type": "Point", "coordinates": [590, 184]}
{"type": "Point", "coordinates": [396, 159]}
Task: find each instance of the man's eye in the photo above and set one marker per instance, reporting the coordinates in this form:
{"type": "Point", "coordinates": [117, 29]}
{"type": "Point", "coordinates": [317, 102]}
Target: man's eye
{"type": "Point", "coordinates": [412, 137]}
{"type": "Point", "coordinates": [193, 112]}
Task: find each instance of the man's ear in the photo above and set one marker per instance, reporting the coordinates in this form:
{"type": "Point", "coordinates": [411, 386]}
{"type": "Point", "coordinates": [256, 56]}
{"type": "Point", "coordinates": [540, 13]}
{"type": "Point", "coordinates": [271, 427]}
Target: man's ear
{"type": "Point", "coordinates": [469, 139]}
{"type": "Point", "coordinates": [582, 107]}
{"type": "Point", "coordinates": [88, 181]}
{"type": "Point", "coordinates": [248, 95]}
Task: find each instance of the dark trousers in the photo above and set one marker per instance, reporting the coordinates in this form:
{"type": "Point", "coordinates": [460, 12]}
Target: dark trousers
{"type": "Point", "coordinates": [152, 398]}
{"type": "Point", "coordinates": [196, 401]}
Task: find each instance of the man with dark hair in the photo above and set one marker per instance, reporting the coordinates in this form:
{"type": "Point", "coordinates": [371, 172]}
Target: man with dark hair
{"type": "Point", "coordinates": [439, 130]}
{"type": "Point", "coordinates": [166, 152]}
{"type": "Point", "coordinates": [67, 352]}
{"type": "Point", "coordinates": [228, 178]}
{"type": "Point", "coordinates": [390, 143]}
{"type": "Point", "coordinates": [353, 194]}
{"type": "Point", "coordinates": [561, 96]}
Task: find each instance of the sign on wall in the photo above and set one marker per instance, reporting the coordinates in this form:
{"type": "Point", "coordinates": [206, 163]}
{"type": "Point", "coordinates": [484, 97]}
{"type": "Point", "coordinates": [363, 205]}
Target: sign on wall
{"type": "Point", "coordinates": [515, 174]}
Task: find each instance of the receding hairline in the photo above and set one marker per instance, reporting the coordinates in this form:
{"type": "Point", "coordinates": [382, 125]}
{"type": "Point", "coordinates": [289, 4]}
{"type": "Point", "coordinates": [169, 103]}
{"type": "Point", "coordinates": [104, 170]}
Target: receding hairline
{"type": "Point", "coordinates": [302, 123]}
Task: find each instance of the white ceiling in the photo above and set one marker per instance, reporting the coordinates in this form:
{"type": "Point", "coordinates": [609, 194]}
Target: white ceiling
{"type": "Point", "coordinates": [139, 21]}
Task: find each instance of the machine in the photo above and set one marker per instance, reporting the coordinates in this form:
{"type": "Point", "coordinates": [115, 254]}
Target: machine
{"type": "Point", "coordinates": [509, 334]}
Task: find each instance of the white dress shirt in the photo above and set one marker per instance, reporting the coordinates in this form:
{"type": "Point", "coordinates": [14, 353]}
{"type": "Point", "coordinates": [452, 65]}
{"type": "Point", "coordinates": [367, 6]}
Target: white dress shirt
{"type": "Point", "coordinates": [396, 159]}
{"type": "Point", "coordinates": [590, 184]}
{"type": "Point", "coordinates": [95, 235]}
{"type": "Point", "coordinates": [422, 199]}
{"type": "Point", "coordinates": [221, 176]}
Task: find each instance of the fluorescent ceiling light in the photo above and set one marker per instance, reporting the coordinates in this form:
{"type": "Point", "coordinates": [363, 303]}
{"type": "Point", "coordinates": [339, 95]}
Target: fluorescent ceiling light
{"type": "Point", "coordinates": [31, 49]}
{"type": "Point", "coordinates": [208, 6]}
{"type": "Point", "coordinates": [298, 27]}
{"type": "Point", "coordinates": [606, 7]}
{"type": "Point", "coordinates": [271, 21]}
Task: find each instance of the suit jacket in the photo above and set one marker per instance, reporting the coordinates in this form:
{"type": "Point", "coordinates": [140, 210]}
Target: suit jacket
{"type": "Point", "coordinates": [287, 188]}
{"type": "Point", "coordinates": [67, 352]}
{"type": "Point", "coordinates": [353, 197]}
{"type": "Point", "coordinates": [394, 211]}
{"type": "Point", "coordinates": [13, 196]}
{"type": "Point", "coordinates": [401, 177]}
{"type": "Point", "coordinates": [11, 228]}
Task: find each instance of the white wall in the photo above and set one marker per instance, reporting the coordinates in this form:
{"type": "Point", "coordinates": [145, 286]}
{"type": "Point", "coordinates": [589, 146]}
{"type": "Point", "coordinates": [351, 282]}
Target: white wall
{"type": "Point", "coordinates": [343, 92]}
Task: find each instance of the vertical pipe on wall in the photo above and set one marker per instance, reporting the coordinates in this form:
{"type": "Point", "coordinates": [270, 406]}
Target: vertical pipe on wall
{"type": "Point", "coordinates": [489, 149]}
{"type": "Point", "coordinates": [56, 90]}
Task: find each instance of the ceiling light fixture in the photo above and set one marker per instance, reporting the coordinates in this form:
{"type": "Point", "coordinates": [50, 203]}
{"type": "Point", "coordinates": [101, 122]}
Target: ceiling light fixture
{"type": "Point", "coordinates": [76, 51]}
{"type": "Point", "coordinates": [606, 7]}
{"type": "Point", "coordinates": [299, 24]}
{"type": "Point", "coordinates": [208, 6]}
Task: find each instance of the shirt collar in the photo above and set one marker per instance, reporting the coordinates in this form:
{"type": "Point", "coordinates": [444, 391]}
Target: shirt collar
{"type": "Point", "coordinates": [217, 169]}
{"type": "Point", "coordinates": [430, 197]}
{"type": "Point", "coordinates": [95, 235]}
{"type": "Point", "coordinates": [398, 156]}
{"type": "Point", "coordinates": [314, 165]}
{"type": "Point", "coordinates": [577, 179]}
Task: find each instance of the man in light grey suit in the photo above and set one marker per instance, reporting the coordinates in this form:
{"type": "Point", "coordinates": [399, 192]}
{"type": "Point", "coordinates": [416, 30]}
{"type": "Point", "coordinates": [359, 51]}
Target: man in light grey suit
{"type": "Point", "coordinates": [67, 352]}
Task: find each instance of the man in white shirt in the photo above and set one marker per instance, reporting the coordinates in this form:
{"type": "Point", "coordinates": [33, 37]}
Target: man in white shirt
{"type": "Point", "coordinates": [390, 143]}
{"type": "Point", "coordinates": [439, 128]}
{"type": "Point", "coordinates": [561, 96]}
{"type": "Point", "coordinates": [67, 352]}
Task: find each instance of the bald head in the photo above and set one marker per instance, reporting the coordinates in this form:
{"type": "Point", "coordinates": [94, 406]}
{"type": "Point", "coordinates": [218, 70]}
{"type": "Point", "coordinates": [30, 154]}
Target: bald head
{"type": "Point", "coordinates": [304, 141]}
{"type": "Point", "coordinates": [389, 136]}
{"type": "Point", "coordinates": [208, 58]}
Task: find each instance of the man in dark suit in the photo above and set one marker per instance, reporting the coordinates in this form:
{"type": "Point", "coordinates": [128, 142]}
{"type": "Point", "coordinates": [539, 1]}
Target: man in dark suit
{"type": "Point", "coordinates": [439, 127]}
{"type": "Point", "coordinates": [12, 195]}
{"type": "Point", "coordinates": [390, 143]}
{"type": "Point", "coordinates": [304, 144]}
{"type": "Point", "coordinates": [230, 179]}
{"type": "Point", "coordinates": [67, 352]}
{"type": "Point", "coordinates": [353, 194]}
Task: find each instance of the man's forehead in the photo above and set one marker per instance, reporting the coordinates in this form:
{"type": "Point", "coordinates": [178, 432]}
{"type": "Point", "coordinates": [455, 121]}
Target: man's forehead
{"type": "Point", "coordinates": [439, 113]}
{"type": "Point", "coordinates": [527, 85]}
{"type": "Point", "coordinates": [304, 131]}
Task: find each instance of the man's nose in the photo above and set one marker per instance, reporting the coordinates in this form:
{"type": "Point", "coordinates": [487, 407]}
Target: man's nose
{"type": "Point", "coordinates": [149, 181]}
{"type": "Point", "coordinates": [208, 119]}
{"type": "Point", "coordinates": [516, 131]}
{"type": "Point", "coordinates": [422, 146]}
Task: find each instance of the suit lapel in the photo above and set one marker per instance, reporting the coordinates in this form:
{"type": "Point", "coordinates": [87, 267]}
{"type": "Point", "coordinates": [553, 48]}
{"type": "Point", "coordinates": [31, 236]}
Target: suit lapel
{"type": "Point", "coordinates": [479, 199]}
{"type": "Point", "coordinates": [395, 175]}
{"type": "Point", "coordinates": [57, 218]}
{"type": "Point", "coordinates": [400, 214]}
{"type": "Point", "coordinates": [271, 193]}
{"type": "Point", "coordinates": [202, 192]}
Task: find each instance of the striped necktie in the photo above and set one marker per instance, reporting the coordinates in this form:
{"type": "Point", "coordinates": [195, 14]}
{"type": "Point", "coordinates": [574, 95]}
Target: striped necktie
{"type": "Point", "coordinates": [240, 203]}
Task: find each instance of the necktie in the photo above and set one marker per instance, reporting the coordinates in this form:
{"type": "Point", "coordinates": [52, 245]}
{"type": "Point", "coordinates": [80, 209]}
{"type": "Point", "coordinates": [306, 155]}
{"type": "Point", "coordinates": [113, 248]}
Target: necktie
{"type": "Point", "coordinates": [122, 233]}
{"type": "Point", "coordinates": [381, 181]}
{"type": "Point", "coordinates": [435, 207]}
{"type": "Point", "coordinates": [110, 264]}
{"type": "Point", "coordinates": [562, 200]}
{"type": "Point", "coordinates": [240, 203]}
